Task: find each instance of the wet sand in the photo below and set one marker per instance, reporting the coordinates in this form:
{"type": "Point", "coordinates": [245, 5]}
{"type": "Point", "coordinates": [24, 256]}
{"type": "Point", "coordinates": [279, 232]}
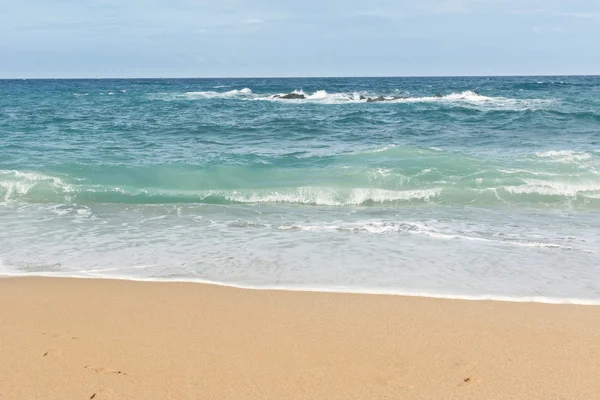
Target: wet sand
{"type": "Point", "coordinates": [108, 339]}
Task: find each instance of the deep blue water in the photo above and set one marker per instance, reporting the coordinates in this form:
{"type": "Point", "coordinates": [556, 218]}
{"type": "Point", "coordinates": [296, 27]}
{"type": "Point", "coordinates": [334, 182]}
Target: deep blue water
{"type": "Point", "coordinates": [491, 190]}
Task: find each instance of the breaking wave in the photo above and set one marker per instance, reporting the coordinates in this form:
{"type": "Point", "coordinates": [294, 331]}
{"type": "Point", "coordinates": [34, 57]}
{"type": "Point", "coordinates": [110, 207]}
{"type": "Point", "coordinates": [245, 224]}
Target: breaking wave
{"type": "Point", "coordinates": [564, 155]}
{"type": "Point", "coordinates": [327, 196]}
{"type": "Point", "coordinates": [351, 186]}
{"type": "Point", "coordinates": [556, 188]}
{"type": "Point", "coordinates": [468, 98]}
{"type": "Point", "coordinates": [16, 185]}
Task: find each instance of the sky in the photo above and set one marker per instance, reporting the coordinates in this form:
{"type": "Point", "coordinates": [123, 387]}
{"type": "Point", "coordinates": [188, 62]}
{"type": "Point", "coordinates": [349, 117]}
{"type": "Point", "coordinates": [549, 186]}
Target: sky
{"type": "Point", "coordinates": [261, 38]}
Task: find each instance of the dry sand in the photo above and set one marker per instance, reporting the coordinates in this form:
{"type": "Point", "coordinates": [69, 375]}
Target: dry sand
{"type": "Point", "coordinates": [100, 339]}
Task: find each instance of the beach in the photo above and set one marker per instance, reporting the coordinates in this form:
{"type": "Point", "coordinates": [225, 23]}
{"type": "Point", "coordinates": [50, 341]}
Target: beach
{"type": "Point", "coordinates": [299, 201]}
{"type": "Point", "coordinates": [64, 338]}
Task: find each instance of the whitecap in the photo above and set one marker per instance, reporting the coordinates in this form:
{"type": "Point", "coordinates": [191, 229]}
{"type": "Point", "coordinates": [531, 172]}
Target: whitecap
{"type": "Point", "coordinates": [330, 197]}
{"type": "Point", "coordinates": [19, 183]}
{"type": "Point", "coordinates": [213, 94]}
{"type": "Point", "coordinates": [564, 155]}
{"type": "Point", "coordinates": [381, 149]}
{"type": "Point", "coordinates": [554, 188]}
{"type": "Point", "coordinates": [467, 98]}
{"type": "Point", "coordinates": [524, 171]}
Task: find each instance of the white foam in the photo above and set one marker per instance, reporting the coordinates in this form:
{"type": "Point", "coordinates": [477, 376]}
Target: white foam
{"type": "Point", "coordinates": [245, 92]}
{"type": "Point", "coordinates": [319, 96]}
{"type": "Point", "coordinates": [153, 218]}
{"type": "Point", "coordinates": [417, 228]}
{"type": "Point", "coordinates": [468, 98]}
{"type": "Point", "coordinates": [524, 171]}
{"type": "Point", "coordinates": [382, 172]}
{"type": "Point", "coordinates": [309, 228]}
{"type": "Point", "coordinates": [372, 227]}
{"type": "Point", "coordinates": [564, 155]}
{"type": "Point", "coordinates": [424, 171]}
{"type": "Point", "coordinates": [18, 183]}
{"type": "Point", "coordinates": [376, 150]}
{"type": "Point", "coordinates": [330, 197]}
{"type": "Point", "coordinates": [554, 188]}
{"type": "Point", "coordinates": [445, 236]}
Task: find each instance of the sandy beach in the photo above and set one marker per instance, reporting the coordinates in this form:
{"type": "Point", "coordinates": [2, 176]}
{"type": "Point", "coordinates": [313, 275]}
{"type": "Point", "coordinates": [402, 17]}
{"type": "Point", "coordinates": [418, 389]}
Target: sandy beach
{"type": "Point", "coordinates": [108, 339]}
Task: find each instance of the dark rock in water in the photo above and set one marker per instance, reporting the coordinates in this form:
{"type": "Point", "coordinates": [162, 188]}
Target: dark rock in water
{"type": "Point", "coordinates": [475, 92]}
{"type": "Point", "coordinates": [438, 95]}
{"type": "Point", "coordinates": [375, 99]}
{"type": "Point", "coordinates": [381, 98]}
{"type": "Point", "coordinates": [362, 97]}
{"type": "Point", "coordinates": [290, 96]}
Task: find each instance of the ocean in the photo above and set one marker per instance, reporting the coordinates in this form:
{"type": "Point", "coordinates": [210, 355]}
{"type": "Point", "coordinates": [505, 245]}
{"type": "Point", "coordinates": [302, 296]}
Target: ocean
{"type": "Point", "coordinates": [489, 190]}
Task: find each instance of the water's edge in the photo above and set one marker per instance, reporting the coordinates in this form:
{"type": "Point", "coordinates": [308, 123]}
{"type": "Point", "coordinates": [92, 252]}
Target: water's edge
{"type": "Point", "coordinates": [338, 290]}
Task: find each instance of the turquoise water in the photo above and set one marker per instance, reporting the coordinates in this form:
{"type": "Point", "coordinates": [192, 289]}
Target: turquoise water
{"type": "Point", "coordinates": [490, 191]}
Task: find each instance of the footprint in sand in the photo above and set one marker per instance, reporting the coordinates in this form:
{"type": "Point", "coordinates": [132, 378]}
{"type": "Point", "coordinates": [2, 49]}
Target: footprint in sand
{"type": "Point", "coordinates": [105, 371]}
{"type": "Point", "coordinates": [469, 380]}
{"type": "Point", "coordinates": [55, 352]}
{"type": "Point", "coordinates": [52, 354]}
{"type": "Point", "coordinates": [59, 336]}
{"type": "Point", "coordinates": [96, 394]}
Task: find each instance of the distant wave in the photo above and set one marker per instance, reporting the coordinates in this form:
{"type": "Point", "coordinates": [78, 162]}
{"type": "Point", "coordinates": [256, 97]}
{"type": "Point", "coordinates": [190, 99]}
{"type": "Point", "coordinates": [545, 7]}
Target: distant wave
{"type": "Point", "coordinates": [564, 155]}
{"type": "Point", "coordinates": [211, 94]}
{"type": "Point", "coordinates": [323, 97]}
{"type": "Point", "coordinates": [581, 115]}
{"type": "Point", "coordinates": [546, 85]}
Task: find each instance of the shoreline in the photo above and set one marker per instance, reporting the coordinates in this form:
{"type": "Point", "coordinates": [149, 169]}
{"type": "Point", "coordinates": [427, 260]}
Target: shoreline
{"type": "Point", "coordinates": [333, 290]}
{"type": "Point", "coordinates": [69, 338]}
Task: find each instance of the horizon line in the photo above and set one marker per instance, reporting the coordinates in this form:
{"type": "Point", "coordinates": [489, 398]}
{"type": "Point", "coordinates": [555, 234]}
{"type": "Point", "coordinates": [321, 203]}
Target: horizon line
{"type": "Point", "coordinates": [302, 77]}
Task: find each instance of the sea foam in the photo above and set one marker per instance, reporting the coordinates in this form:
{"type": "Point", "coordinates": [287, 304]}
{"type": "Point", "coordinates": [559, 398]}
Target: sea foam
{"type": "Point", "coordinates": [466, 98]}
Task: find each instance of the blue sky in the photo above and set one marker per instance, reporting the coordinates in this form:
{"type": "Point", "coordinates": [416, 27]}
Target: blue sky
{"type": "Point", "coordinates": [231, 38]}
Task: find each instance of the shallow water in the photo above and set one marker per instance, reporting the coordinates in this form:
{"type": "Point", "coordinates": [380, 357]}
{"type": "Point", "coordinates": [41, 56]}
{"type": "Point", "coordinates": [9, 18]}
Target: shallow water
{"type": "Point", "coordinates": [489, 195]}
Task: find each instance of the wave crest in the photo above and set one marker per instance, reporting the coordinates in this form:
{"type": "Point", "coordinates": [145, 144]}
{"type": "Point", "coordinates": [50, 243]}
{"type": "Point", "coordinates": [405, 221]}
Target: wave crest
{"type": "Point", "coordinates": [556, 188]}
{"type": "Point", "coordinates": [564, 155]}
{"type": "Point", "coordinates": [16, 184]}
{"type": "Point", "coordinates": [329, 197]}
{"type": "Point", "coordinates": [321, 96]}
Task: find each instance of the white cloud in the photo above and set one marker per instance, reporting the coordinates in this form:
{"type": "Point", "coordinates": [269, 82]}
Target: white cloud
{"type": "Point", "coordinates": [547, 29]}
{"type": "Point", "coordinates": [579, 15]}
{"type": "Point", "coordinates": [253, 21]}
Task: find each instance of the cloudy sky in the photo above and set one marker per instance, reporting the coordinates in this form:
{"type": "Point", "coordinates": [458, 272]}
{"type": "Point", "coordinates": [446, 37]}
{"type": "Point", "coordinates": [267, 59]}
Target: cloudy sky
{"type": "Point", "coordinates": [230, 38]}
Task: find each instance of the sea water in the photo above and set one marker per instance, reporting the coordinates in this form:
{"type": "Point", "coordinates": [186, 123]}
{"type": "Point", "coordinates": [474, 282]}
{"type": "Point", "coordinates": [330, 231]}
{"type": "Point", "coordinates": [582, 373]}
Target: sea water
{"type": "Point", "coordinates": [490, 191]}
